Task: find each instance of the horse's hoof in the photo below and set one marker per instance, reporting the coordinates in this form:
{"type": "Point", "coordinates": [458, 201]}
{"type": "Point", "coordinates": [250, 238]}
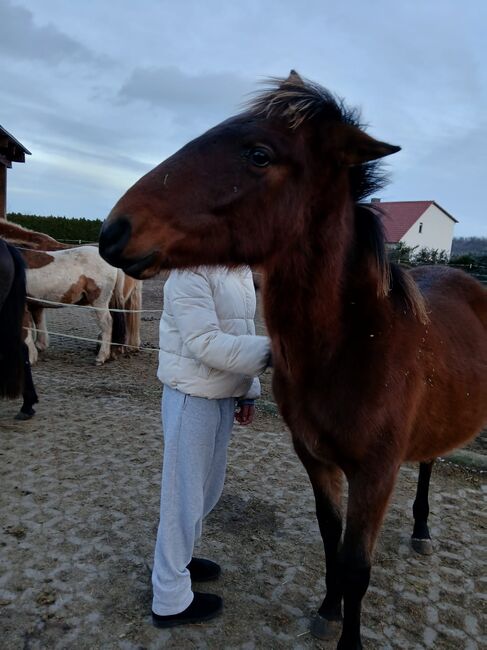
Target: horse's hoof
{"type": "Point", "coordinates": [24, 416]}
{"type": "Point", "coordinates": [324, 629]}
{"type": "Point", "coordinates": [422, 546]}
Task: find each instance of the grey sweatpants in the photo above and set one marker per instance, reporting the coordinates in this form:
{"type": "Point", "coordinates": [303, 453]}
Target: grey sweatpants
{"type": "Point", "coordinates": [196, 436]}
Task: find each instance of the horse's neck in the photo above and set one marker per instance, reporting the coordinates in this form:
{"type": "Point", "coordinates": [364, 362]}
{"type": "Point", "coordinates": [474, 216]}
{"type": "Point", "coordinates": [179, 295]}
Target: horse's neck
{"type": "Point", "coordinates": [308, 288]}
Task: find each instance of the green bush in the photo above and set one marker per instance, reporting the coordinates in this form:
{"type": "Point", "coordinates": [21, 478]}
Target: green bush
{"type": "Point", "coordinates": [414, 256]}
{"type": "Point", "coordinates": [61, 228]}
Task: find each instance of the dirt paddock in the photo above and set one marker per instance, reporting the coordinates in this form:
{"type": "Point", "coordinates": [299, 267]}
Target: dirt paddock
{"type": "Point", "coordinates": [79, 503]}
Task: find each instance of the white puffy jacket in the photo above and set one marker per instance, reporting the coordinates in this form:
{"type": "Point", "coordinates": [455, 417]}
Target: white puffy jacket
{"type": "Point", "coordinates": [207, 341]}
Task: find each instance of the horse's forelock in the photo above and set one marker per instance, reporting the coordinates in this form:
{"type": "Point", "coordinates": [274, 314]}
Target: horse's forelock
{"type": "Point", "coordinates": [297, 101]}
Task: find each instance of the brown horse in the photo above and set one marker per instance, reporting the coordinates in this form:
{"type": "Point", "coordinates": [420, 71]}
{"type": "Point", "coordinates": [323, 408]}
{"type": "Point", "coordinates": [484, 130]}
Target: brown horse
{"type": "Point", "coordinates": [373, 365]}
{"type": "Point", "coordinates": [15, 371]}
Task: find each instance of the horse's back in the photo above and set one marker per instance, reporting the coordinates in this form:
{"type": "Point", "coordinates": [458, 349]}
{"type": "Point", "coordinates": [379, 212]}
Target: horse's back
{"type": "Point", "coordinates": [451, 286]}
{"type": "Point", "coordinates": [66, 275]}
{"type": "Point", "coordinates": [452, 295]}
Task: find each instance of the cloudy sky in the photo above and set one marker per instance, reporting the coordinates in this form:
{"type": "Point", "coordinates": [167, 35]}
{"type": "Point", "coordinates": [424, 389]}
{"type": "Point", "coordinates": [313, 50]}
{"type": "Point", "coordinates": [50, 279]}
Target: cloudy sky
{"type": "Point", "coordinates": [102, 90]}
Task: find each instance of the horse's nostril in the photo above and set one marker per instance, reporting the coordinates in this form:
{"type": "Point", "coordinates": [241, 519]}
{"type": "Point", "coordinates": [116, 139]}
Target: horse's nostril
{"type": "Point", "coordinates": [113, 239]}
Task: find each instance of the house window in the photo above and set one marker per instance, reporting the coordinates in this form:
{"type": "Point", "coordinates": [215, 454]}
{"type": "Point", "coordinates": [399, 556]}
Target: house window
{"type": "Point", "coordinates": [420, 226]}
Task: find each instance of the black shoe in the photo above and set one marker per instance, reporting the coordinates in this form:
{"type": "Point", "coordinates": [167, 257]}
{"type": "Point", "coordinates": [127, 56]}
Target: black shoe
{"type": "Point", "coordinates": [203, 608]}
{"type": "Point", "coordinates": [203, 570]}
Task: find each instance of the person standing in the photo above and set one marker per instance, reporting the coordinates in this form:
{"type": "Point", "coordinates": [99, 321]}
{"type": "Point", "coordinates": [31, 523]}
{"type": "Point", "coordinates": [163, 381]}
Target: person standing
{"type": "Point", "coordinates": [209, 361]}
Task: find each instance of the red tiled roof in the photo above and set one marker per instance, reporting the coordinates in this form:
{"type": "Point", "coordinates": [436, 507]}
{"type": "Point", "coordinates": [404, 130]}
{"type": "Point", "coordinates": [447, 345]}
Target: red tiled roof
{"type": "Point", "coordinates": [399, 216]}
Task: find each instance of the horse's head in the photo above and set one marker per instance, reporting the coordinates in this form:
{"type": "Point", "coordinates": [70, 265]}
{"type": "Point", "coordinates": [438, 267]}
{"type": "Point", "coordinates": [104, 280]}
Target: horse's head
{"type": "Point", "coordinates": [245, 189]}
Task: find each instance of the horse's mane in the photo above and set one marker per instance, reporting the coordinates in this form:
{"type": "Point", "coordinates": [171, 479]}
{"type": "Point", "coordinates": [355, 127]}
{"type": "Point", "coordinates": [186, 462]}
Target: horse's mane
{"type": "Point", "coordinates": [391, 277]}
{"type": "Point", "coordinates": [297, 101]}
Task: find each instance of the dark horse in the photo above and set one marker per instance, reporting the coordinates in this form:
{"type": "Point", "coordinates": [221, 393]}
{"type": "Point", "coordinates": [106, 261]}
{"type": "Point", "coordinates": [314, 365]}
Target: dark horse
{"type": "Point", "coordinates": [15, 371]}
{"type": "Point", "coordinates": [373, 365]}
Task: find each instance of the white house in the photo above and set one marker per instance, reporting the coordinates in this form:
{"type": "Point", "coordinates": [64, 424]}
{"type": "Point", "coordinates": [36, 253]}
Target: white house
{"type": "Point", "coordinates": [417, 223]}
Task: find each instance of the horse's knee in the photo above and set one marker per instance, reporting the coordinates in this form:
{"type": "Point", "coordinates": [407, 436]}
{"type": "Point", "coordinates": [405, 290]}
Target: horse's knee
{"type": "Point", "coordinates": [355, 581]}
{"type": "Point", "coordinates": [354, 574]}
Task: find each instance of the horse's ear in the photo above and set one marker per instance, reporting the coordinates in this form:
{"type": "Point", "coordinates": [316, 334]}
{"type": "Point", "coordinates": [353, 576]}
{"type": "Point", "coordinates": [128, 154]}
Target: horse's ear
{"type": "Point", "coordinates": [294, 79]}
{"type": "Point", "coordinates": [357, 147]}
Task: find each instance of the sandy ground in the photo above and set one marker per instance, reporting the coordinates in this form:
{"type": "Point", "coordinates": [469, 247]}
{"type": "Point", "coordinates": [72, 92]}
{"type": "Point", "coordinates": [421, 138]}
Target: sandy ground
{"type": "Point", "coordinates": [78, 515]}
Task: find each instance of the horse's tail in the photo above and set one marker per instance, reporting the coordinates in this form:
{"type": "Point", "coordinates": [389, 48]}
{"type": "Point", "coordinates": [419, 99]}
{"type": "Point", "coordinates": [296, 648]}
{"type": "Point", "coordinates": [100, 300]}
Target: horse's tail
{"type": "Point", "coordinates": [133, 304]}
{"type": "Point", "coordinates": [11, 330]}
{"type": "Point", "coordinates": [118, 317]}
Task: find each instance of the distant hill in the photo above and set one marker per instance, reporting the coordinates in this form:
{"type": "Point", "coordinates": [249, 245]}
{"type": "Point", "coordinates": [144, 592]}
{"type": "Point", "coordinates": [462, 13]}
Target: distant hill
{"type": "Point", "coordinates": [469, 246]}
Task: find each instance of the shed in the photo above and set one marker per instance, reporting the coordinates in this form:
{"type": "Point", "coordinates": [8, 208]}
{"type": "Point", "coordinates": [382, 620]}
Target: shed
{"type": "Point", "coordinates": [11, 150]}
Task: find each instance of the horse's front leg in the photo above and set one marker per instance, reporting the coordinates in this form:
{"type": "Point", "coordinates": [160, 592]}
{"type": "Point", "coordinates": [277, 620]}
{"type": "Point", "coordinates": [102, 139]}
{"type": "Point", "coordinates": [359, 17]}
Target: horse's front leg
{"type": "Point", "coordinates": [368, 495]}
{"type": "Point", "coordinates": [29, 339]}
{"type": "Point", "coordinates": [42, 336]}
{"type": "Point", "coordinates": [327, 480]}
{"type": "Point", "coordinates": [105, 321]}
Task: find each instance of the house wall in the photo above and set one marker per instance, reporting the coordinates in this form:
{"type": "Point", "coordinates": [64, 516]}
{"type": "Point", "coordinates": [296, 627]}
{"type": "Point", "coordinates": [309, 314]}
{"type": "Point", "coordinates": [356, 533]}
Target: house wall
{"type": "Point", "coordinates": [437, 231]}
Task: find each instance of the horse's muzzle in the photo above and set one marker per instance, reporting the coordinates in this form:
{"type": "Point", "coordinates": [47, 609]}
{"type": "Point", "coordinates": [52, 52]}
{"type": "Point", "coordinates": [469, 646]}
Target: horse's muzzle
{"type": "Point", "coordinates": [114, 237]}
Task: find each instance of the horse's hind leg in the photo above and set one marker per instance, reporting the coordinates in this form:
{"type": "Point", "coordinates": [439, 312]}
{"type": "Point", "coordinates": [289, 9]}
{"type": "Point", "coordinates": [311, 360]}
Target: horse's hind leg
{"type": "Point", "coordinates": [420, 539]}
{"type": "Point", "coordinates": [29, 392]}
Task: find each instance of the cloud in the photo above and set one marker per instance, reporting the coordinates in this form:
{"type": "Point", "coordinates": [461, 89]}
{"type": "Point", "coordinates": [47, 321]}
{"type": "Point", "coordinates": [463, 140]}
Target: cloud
{"type": "Point", "coordinates": [21, 38]}
{"type": "Point", "coordinates": [93, 91]}
{"type": "Point", "coordinates": [173, 89]}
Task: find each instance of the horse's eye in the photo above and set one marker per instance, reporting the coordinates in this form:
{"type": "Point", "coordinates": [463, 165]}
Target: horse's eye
{"type": "Point", "coordinates": [259, 157]}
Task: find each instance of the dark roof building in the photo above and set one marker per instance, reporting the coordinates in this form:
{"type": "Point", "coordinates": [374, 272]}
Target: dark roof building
{"type": "Point", "coordinates": [419, 224]}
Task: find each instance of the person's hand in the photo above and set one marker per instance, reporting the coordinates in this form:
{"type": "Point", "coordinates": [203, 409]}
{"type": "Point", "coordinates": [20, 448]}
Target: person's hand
{"type": "Point", "coordinates": [245, 413]}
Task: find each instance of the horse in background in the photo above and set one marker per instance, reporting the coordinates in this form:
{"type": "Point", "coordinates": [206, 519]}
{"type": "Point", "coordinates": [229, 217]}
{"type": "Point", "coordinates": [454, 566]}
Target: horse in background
{"type": "Point", "coordinates": [127, 296]}
{"type": "Point", "coordinates": [15, 371]}
{"type": "Point", "coordinates": [76, 276]}
{"type": "Point", "coordinates": [374, 365]}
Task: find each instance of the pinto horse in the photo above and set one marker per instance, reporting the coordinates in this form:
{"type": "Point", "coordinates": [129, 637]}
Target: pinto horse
{"type": "Point", "coordinates": [76, 276]}
{"type": "Point", "coordinates": [15, 371]}
{"type": "Point", "coordinates": [374, 365]}
{"type": "Point", "coordinates": [130, 299]}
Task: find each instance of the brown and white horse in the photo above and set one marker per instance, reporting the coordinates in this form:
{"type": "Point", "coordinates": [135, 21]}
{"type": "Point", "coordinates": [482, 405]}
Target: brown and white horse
{"type": "Point", "coordinates": [127, 293]}
{"type": "Point", "coordinates": [76, 276]}
{"type": "Point", "coordinates": [373, 365]}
